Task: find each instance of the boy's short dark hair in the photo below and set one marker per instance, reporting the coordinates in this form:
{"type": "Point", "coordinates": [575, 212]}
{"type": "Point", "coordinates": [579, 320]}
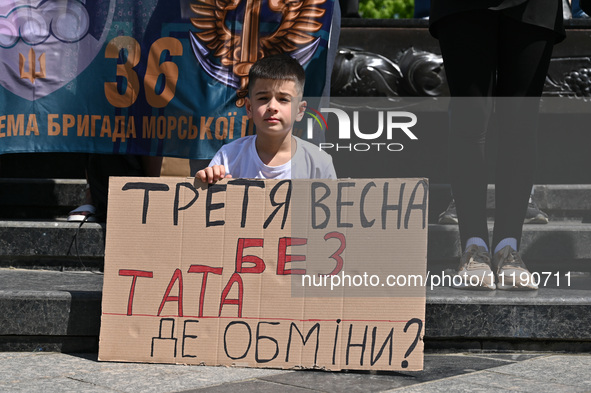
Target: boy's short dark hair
{"type": "Point", "coordinates": [277, 67]}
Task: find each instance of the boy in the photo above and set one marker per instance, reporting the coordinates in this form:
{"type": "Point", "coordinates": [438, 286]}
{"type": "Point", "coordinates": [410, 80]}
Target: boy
{"type": "Point", "coordinates": [274, 104]}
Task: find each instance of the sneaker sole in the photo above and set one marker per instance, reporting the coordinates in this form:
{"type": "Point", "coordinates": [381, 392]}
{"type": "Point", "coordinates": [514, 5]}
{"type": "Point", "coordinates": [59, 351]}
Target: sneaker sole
{"type": "Point", "coordinates": [80, 218]}
{"type": "Point", "coordinates": [536, 220]}
{"type": "Point", "coordinates": [511, 284]}
{"type": "Point", "coordinates": [515, 288]}
{"type": "Point", "coordinates": [469, 287]}
{"type": "Point", "coordinates": [481, 287]}
{"type": "Point", "coordinates": [447, 221]}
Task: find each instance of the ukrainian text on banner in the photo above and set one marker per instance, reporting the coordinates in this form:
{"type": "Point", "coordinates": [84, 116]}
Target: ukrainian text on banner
{"type": "Point", "coordinates": [151, 77]}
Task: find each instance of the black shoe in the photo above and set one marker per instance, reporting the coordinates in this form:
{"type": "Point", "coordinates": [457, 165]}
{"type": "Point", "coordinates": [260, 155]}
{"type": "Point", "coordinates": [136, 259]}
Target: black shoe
{"type": "Point", "coordinates": [512, 274]}
{"type": "Point", "coordinates": [534, 215]}
{"type": "Point", "coordinates": [449, 216]}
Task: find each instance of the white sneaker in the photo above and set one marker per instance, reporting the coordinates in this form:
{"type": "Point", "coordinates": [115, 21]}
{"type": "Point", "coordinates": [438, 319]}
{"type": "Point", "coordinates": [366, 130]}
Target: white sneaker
{"type": "Point", "coordinates": [83, 213]}
{"type": "Point", "coordinates": [475, 270]}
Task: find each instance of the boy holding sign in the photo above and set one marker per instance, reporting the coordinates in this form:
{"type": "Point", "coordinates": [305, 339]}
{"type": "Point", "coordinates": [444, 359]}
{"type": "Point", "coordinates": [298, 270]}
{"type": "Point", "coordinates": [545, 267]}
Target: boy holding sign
{"type": "Point", "coordinates": [274, 103]}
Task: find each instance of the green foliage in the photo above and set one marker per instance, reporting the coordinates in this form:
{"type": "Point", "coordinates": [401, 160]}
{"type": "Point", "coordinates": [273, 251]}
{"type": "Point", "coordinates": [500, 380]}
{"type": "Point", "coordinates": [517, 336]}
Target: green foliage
{"type": "Point", "coordinates": [386, 9]}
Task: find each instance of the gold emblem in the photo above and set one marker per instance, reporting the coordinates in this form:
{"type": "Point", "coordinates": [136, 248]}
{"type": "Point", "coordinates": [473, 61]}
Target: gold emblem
{"type": "Point", "coordinates": [32, 73]}
{"type": "Point", "coordinates": [237, 53]}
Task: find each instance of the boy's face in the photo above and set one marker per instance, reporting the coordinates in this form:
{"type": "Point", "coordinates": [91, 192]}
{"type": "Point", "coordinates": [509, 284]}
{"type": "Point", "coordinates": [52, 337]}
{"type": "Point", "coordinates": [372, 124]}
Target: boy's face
{"type": "Point", "coordinates": [274, 105]}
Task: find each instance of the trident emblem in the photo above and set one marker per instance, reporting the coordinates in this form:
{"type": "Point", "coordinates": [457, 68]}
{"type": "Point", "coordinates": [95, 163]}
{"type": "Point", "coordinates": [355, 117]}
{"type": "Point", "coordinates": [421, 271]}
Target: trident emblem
{"type": "Point", "coordinates": [237, 53]}
{"type": "Point", "coordinates": [32, 73]}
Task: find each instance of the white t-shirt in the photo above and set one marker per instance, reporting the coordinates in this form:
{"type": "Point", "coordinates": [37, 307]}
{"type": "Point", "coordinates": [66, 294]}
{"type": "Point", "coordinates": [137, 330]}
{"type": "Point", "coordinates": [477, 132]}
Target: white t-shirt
{"type": "Point", "coordinates": [241, 160]}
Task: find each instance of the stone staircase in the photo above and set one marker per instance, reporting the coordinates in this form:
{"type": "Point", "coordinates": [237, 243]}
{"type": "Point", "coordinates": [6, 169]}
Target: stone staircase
{"type": "Point", "coordinates": [50, 275]}
{"type": "Point", "coordinates": [50, 279]}
{"type": "Point", "coordinates": [553, 318]}
{"type": "Point", "coordinates": [34, 233]}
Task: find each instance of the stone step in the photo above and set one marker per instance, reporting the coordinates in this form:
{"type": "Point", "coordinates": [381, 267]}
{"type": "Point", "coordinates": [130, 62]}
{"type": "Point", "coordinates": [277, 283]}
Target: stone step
{"type": "Point", "coordinates": [43, 165]}
{"type": "Point", "coordinates": [60, 311]}
{"type": "Point", "coordinates": [552, 319]}
{"type": "Point", "coordinates": [559, 201]}
{"type": "Point", "coordinates": [52, 244]}
{"type": "Point", "coordinates": [54, 198]}
{"type": "Point", "coordinates": [49, 311]}
{"type": "Point", "coordinates": [555, 241]}
{"type": "Point", "coordinates": [71, 246]}
{"type": "Point", "coordinates": [40, 198]}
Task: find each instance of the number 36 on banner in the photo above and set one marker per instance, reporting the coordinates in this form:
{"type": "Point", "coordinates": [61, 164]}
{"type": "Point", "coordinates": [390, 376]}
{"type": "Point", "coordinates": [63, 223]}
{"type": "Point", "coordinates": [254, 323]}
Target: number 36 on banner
{"type": "Point", "coordinates": [155, 69]}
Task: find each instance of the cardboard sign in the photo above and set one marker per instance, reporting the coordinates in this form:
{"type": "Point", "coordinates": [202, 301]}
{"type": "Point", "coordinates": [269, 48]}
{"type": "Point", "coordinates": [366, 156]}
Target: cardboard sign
{"type": "Point", "coordinates": [266, 273]}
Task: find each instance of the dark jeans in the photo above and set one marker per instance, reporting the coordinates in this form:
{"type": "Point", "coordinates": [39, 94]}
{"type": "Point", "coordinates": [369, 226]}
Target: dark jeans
{"type": "Point", "coordinates": [486, 55]}
{"type": "Point", "coordinates": [98, 170]}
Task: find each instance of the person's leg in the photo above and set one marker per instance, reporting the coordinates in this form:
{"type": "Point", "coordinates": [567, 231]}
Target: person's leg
{"type": "Point", "coordinates": [468, 45]}
{"type": "Point", "coordinates": [524, 57]}
{"type": "Point", "coordinates": [577, 12]}
{"type": "Point", "coordinates": [100, 167]}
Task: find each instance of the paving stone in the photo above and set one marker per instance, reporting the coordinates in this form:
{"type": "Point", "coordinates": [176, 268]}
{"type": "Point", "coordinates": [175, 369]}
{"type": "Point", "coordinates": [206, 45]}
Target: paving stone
{"type": "Point", "coordinates": [256, 386]}
{"type": "Point", "coordinates": [158, 378]}
{"type": "Point", "coordinates": [553, 373]}
{"type": "Point", "coordinates": [176, 378]}
{"type": "Point", "coordinates": [351, 382]}
{"type": "Point", "coordinates": [59, 384]}
{"type": "Point", "coordinates": [447, 365]}
{"type": "Point", "coordinates": [36, 371]}
{"type": "Point", "coordinates": [493, 380]}
{"type": "Point", "coordinates": [456, 385]}
{"type": "Point", "coordinates": [55, 372]}
{"type": "Point", "coordinates": [7, 356]}
{"type": "Point", "coordinates": [53, 365]}
{"type": "Point", "coordinates": [436, 367]}
{"type": "Point", "coordinates": [511, 357]}
{"type": "Point", "coordinates": [570, 370]}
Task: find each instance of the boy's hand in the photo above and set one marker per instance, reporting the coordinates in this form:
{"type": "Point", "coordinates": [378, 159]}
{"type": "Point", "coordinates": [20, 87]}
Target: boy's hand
{"type": "Point", "coordinates": [212, 174]}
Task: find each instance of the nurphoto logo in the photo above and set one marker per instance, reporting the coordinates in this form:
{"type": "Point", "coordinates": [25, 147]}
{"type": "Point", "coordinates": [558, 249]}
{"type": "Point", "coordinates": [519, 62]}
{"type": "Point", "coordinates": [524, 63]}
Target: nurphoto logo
{"type": "Point", "coordinates": [361, 133]}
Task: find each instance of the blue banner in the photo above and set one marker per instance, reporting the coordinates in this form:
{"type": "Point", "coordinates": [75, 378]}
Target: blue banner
{"type": "Point", "coordinates": [148, 77]}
